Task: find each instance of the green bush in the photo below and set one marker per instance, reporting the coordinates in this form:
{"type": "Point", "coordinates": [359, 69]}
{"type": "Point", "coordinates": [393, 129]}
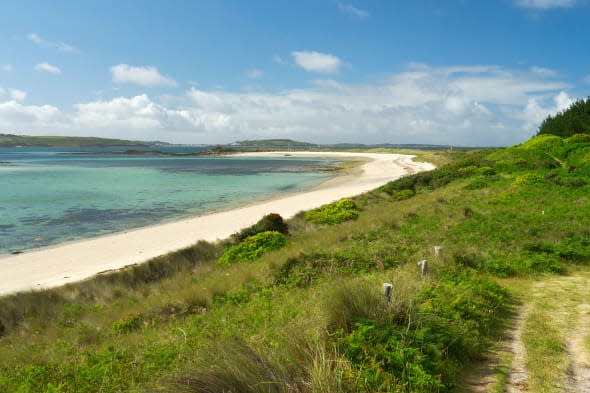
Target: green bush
{"type": "Point", "coordinates": [420, 349]}
{"type": "Point", "coordinates": [477, 184]}
{"type": "Point", "coordinates": [526, 263]}
{"type": "Point", "coordinates": [403, 194]}
{"type": "Point", "coordinates": [128, 324]}
{"type": "Point", "coordinates": [253, 247]}
{"type": "Point", "coordinates": [529, 179]}
{"type": "Point", "coordinates": [333, 213]}
{"type": "Point", "coordinates": [270, 222]}
{"type": "Point", "coordinates": [547, 143]}
{"type": "Point", "coordinates": [578, 138]}
{"type": "Point", "coordinates": [486, 171]}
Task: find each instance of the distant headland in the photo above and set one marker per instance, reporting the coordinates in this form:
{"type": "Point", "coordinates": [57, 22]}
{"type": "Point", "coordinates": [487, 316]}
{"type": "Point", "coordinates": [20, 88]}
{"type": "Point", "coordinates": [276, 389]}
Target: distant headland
{"type": "Point", "coordinates": [255, 145]}
{"type": "Point", "coordinates": [11, 140]}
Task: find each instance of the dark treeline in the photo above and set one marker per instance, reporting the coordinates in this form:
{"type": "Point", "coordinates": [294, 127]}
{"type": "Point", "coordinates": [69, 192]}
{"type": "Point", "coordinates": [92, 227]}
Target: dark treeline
{"type": "Point", "coordinates": [574, 120]}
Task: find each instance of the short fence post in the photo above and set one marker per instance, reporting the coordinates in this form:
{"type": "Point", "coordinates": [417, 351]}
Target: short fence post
{"type": "Point", "coordinates": [387, 291]}
{"type": "Point", "coordinates": [423, 267]}
{"type": "Point", "coordinates": [438, 252]}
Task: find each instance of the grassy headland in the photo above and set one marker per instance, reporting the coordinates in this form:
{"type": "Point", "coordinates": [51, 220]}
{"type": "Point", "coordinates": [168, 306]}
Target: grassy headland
{"type": "Point", "coordinates": [306, 313]}
{"type": "Point", "coordinates": [9, 140]}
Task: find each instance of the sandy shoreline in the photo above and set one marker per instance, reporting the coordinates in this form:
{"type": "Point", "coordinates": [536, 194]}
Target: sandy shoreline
{"type": "Point", "coordinates": [75, 261]}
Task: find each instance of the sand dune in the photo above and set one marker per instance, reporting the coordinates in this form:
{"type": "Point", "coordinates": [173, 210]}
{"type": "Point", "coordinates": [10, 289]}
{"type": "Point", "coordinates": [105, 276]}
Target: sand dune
{"type": "Point", "coordinates": [75, 261]}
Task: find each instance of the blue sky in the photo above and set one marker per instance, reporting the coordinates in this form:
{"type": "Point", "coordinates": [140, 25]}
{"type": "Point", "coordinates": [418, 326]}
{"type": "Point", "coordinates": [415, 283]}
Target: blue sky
{"type": "Point", "coordinates": [460, 72]}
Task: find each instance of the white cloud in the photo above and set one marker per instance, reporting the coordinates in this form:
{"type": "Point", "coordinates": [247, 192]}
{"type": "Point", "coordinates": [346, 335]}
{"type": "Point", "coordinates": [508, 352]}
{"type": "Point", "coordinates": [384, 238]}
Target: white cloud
{"type": "Point", "coordinates": [534, 112]}
{"type": "Point", "coordinates": [17, 95]}
{"type": "Point", "coordinates": [60, 46]}
{"type": "Point", "coordinates": [543, 72]}
{"type": "Point", "coordinates": [317, 62]}
{"type": "Point", "coordinates": [48, 68]}
{"type": "Point", "coordinates": [6, 67]}
{"type": "Point", "coordinates": [34, 38]}
{"type": "Point", "coordinates": [15, 116]}
{"type": "Point", "coordinates": [545, 4]}
{"type": "Point", "coordinates": [278, 59]}
{"type": "Point", "coordinates": [352, 10]}
{"type": "Point", "coordinates": [255, 74]}
{"type": "Point", "coordinates": [474, 105]}
{"type": "Point", "coordinates": [143, 76]}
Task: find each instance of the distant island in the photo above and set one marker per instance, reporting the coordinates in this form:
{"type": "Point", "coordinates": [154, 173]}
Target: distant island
{"type": "Point", "coordinates": [10, 140]}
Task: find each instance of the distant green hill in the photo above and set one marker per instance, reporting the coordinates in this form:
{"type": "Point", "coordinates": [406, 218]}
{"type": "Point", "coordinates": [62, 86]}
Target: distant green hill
{"type": "Point", "coordinates": [8, 140]}
{"type": "Point", "coordinates": [289, 144]}
{"type": "Point", "coordinates": [273, 143]}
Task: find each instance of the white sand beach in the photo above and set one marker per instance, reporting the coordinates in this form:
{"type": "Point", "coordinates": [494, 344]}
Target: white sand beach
{"type": "Point", "coordinates": [75, 261]}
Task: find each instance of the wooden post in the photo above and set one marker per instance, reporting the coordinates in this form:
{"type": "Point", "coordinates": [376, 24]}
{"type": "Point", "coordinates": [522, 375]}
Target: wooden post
{"type": "Point", "coordinates": [423, 267]}
{"type": "Point", "coordinates": [387, 291]}
{"type": "Point", "coordinates": [438, 252]}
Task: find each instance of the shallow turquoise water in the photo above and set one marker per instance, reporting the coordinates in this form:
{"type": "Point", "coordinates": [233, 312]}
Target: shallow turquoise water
{"type": "Point", "coordinates": [48, 196]}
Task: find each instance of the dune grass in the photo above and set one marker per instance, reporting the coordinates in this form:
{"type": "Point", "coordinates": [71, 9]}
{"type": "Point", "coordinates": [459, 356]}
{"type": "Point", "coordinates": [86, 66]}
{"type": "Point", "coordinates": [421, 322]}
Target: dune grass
{"type": "Point", "coordinates": [310, 316]}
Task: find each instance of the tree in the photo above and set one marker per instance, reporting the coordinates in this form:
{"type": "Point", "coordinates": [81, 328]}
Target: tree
{"type": "Point", "coordinates": [574, 120]}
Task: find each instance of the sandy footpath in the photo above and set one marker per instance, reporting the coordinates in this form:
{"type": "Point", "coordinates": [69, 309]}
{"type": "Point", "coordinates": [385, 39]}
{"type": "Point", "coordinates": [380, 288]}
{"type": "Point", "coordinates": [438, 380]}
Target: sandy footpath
{"type": "Point", "coordinates": [75, 261]}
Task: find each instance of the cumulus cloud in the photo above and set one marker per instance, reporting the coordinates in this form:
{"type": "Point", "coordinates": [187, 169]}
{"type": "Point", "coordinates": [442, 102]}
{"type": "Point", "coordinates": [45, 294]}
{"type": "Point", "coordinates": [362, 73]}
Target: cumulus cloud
{"type": "Point", "coordinates": [534, 112]}
{"type": "Point", "coordinates": [474, 105]}
{"type": "Point", "coordinates": [352, 10]}
{"type": "Point", "coordinates": [317, 62]}
{"type": "Point", "coordinates": [254, 74]}
{"type": "Point", "coordinates": [143, 76]}
{"type": "Point", "coordinates": [17, 95]}
{"type": "Point", "coordinates": [60, 46]}
{"type": "Point", "coordinates": [48, 68]}
{"type": "Point", "coordinates": [545, 4]}
{"type": "Point", "coordinates": [19, 117]}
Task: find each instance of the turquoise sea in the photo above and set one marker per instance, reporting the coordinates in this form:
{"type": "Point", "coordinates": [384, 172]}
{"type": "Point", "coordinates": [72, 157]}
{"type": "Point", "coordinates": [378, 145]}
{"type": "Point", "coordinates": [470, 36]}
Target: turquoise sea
{"type": "Point", "coordinates": [53, 195]}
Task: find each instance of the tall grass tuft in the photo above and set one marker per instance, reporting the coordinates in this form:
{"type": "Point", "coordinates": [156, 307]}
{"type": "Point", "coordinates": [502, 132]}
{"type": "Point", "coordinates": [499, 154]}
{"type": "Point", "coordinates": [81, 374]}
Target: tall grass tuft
{"type": "Point", "coordinates": [235, 366]}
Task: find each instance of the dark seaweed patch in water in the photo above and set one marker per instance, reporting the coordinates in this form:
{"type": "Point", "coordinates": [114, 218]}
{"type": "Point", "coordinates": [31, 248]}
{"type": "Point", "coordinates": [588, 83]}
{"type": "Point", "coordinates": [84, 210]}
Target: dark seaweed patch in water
{"type": "Point", "coordinates": [99, 217]}
{"type": "Point", "coordinates": [6, 228]}
{"type": "Point", "coordinates": [34, 232]}
{"type": "Point", "coordinates": [288, 187]}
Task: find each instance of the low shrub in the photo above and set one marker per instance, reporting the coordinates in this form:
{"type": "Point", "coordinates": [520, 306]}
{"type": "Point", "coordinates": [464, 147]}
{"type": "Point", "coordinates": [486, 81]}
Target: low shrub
{"type": "Point", "coordinates": [486, 171]}
{"type": "Point", "coordinates": [253, 247]}
{"type": "Point", "coordinates": [547, 143]}
{"type": "Point", "coordinates": [529, 179]}
{"type": "Point", "coordinates": [403, 194]}
{"type": "Point", "coordinates": [526, 263]}
{"type": "Point", "coordinates": [578, 138]}
{"type": "Point", "coordinates": [420, 348]}
{"type": "Point", "coordinates": [333, 213]}
{"type": "Point", "coordinates": [270, 222]}
{"type": "Point", "coordinates": [477, 184]}
{"type": "Point", "coordinates": [128, 323]}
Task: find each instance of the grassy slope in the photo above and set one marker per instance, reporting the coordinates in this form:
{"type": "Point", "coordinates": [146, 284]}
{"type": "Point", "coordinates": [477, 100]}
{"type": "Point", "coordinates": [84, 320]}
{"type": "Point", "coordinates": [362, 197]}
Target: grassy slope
{"type": "Point", "coordinates": [310, 316]}
{"type": "Point", "coordinates": [63, 141]}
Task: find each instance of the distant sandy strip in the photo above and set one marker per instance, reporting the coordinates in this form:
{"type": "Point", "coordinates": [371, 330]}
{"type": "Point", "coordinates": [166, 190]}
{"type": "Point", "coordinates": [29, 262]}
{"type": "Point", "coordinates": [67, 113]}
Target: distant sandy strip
{"type": "Point", "coordinates": [75, 261]}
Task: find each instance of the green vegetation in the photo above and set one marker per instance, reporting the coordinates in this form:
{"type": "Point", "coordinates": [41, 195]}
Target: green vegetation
{"type": "Point", "coordinates": [333, 213]}
{"type": "Point", "coordinates": [305, 312]}
{"type": "Point", "coordinates": [574, 120]}
{"type": "Point", "coordinates": [253, 247]}
{"type": "Point", "coordinates": [270, 222]}
{"type": "Point", "coordinates": [8, 140]}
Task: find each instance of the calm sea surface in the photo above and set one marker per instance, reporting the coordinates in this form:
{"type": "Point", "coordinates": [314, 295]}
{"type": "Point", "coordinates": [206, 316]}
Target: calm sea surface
{"type": "Point", "coordinates": [53, 195]}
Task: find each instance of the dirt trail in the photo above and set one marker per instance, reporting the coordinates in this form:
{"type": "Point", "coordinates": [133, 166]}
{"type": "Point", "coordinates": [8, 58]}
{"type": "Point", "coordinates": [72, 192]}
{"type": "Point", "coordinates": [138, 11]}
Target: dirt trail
{"type": "Point", "coordinates": [565, 300]}
{"type": "Point", "coordinates": [518, 376]}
